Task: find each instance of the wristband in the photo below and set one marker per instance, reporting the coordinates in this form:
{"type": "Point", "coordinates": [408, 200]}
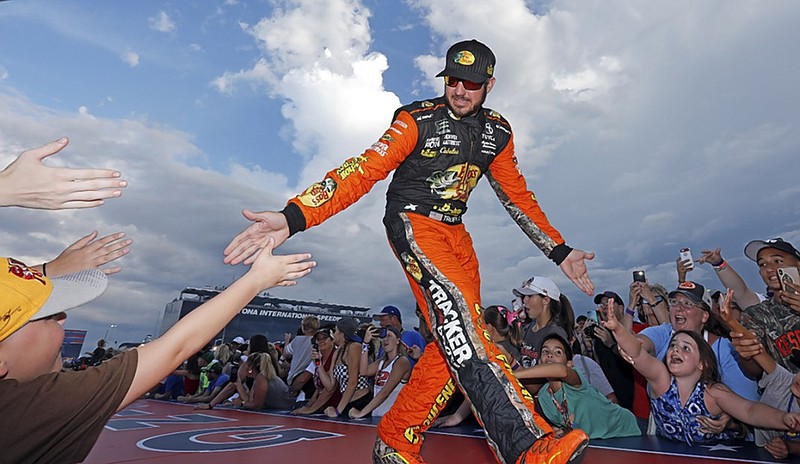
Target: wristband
{"type": "Point", "coordinates": [337, 411]}
{"type": "Point", "coordinates": [364, 348]}
{"type": "Point", "coordinates": [721, 266]}
{"type": "Point", "coordinates": [44, 269]}
{"type": "Point", "coordinates": [717, 264]}
{"type": "Point", "coordinates": [629, 312]}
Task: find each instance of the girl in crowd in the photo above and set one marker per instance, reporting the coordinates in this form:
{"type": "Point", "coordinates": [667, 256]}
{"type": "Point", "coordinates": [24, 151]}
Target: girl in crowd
{"type": "Point", "coordinates": [391, 371]}
{"type": "Point", "coordinates": [268, 391]}
{"type": "Point", "coordinates": [356, 389]}
{"type": "Point", "coordinates": [686, 385]}
{"type": "Point", "coordinates": [550, 311]}
{"type": "Point", "coordinates": [503, 327]}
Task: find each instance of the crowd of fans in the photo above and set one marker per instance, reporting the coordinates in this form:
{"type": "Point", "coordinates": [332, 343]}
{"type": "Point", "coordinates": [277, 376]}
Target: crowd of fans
{"type": "Point", "coordinates": [677, 360]}
{"type": "Point", "coordinates": [700, 366]}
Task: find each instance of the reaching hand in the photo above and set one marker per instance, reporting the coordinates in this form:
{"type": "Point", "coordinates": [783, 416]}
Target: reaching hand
{"type": "Point", "coordinates": [611, 323]}
{"type": "Point", "coordinates": [29, 183]}
{"type": "Point", "coordinates": [711, 256]}
{"type": "Point", "coordinates": [574, 267]}
{"type": "Point", "coordinates": [266, 225]}
{"type": "Point", "coordinates": [88, 253]}
{"type": "Point", "coordinates": [276, 270]}
{"type": "Point", "coordinates": [726, 316]}
{"type": "Point", "coordinates": [709, 425]}
{"type": "Point", "coordinates": [777, 448]}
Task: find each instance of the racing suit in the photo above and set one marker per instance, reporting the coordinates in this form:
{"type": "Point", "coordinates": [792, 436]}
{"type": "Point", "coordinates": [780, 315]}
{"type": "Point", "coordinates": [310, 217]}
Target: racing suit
{"type": "Point", "coordinates": [437, 160]}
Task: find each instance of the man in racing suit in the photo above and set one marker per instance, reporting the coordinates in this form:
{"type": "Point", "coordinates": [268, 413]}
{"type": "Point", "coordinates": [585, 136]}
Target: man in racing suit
{"type": "Point", "coordinates": [438, 150]}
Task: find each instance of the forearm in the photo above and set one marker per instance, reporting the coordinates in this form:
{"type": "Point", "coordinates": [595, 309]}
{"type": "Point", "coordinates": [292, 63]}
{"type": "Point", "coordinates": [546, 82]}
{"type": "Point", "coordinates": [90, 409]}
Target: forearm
{"type": "Point", "coordinates": [159, 357]}
{"type": "Point", "coordinates": [742, 294]}
{"type": "Point", "coordinates": [223, 395]}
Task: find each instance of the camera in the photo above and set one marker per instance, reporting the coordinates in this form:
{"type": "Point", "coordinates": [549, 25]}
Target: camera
{"type": "Point", "coordinates": [589, 330]}
{"type": "Point", "coordinates": [638, 276]}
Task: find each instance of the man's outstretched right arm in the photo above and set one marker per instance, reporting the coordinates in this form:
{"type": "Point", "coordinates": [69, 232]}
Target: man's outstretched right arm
{"type": "Point", "coordinates": [339, 188]}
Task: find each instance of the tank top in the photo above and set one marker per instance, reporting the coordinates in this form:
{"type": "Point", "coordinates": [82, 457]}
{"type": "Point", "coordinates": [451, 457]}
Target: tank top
{"type": "Point", "coordinates": [381, 377]}
{"type": "Point", "coordinates": [340, 373]}
{"type": "Point", "coordinates": [680, 423]}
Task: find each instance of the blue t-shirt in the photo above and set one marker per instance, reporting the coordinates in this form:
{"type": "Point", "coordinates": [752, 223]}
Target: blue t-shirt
{"type": "Point", "coordinates": [727, 360]}
{"type": "Point", "coordinates": [411, 338]}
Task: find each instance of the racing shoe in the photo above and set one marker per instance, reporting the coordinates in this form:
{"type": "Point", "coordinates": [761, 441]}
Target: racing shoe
{"type": "Point", "coordinates": [385, 454]}
{"type": "Point", "coordinates": [552, 450]}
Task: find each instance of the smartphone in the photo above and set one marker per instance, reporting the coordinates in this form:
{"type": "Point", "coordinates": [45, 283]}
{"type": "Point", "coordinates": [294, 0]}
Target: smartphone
{"type": "Point", "coordinates": [638, 276]}
{"type": "Point", "coordinates": [686, 255]}
{"type": "Point", "coordinates": [788, 274]}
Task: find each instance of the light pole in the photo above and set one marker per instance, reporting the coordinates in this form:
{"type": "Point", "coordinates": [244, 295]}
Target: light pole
{"type": "Point", "coordinates": [111, 327]}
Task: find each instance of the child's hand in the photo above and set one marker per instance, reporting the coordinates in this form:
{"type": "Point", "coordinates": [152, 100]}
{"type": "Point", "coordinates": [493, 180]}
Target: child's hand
{"type": "Point", "coordinates": [792, 421]}
{"type": "Point", "coordinates": [777, 448]}
{"type": "Point", "coordinates": [276, 270]}
{"type": "Point", "coordinates": [709, 425]}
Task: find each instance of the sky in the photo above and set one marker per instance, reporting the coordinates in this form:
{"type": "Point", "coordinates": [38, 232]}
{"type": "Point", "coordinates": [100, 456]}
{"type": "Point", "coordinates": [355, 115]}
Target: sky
{"type": "Point", "coordinates": [642, 127]}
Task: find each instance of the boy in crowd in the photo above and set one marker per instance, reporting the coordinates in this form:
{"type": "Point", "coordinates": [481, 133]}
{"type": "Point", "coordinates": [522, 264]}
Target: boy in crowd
{"type": "Point", "coordinates": [60, 414]}
{"type": "Point", "coordinates": [569, 401]}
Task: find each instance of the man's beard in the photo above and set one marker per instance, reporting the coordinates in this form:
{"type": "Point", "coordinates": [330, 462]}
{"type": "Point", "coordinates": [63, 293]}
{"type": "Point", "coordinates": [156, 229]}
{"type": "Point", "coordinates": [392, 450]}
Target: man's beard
{"type": "Point", "coordinates": [466, 112]}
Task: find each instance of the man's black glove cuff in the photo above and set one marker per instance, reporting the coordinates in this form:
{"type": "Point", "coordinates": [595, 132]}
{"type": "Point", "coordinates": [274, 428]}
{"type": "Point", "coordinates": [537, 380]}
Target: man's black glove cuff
{"type": "Point", "coordinates": [294, 218]}
{"type": "Point", "coordinates": [559, 253]}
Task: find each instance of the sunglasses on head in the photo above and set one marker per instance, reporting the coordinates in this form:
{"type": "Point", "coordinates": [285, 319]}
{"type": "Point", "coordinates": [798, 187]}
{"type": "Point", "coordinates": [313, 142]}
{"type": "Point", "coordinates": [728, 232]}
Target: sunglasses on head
{"type": "Point", "coordinates": [451, 81]}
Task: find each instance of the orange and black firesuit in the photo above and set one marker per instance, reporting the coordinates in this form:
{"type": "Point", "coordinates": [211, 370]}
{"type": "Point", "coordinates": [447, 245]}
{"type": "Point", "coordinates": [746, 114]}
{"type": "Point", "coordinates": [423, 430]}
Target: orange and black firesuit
{"type": "Point", "coordinates": [438, 159]}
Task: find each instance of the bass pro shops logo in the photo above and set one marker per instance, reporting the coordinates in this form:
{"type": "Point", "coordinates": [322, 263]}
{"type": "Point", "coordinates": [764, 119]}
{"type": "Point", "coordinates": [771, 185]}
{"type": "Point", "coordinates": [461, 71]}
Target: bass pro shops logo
{"type": "Point", "coordinates": [456, 182]}
{"type": "Point", "coordinates": [318, 193]}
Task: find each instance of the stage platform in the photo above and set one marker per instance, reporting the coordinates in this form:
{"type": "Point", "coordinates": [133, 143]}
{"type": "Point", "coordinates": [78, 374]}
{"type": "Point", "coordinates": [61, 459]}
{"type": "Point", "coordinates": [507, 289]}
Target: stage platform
{"type": "Point", "coordinates": [164, 432]}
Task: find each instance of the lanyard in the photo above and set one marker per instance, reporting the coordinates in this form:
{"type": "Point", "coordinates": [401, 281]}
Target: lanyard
{"type": "Point", "coordinates": [561, 407]}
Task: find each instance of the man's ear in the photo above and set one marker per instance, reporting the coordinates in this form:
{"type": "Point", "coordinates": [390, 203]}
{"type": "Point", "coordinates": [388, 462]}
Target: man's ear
{"type": "Point", "coordinates": [3, 369]}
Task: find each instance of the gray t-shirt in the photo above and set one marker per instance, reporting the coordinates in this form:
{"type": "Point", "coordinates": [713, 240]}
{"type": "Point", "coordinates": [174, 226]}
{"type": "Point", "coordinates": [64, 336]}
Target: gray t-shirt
{"type": "Point", "coordinates": [778, 394]}
{"type": "Point", "coordinates": [300, 350]}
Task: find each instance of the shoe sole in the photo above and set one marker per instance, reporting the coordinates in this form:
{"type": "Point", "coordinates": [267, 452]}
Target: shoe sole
{"type": "Point", "coordinates": [577, 455]}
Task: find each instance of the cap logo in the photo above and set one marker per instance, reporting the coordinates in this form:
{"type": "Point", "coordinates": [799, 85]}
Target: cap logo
{"type": "Point", "coordinates": [490, 70]}
{"type": "Point", "coordinates": [687, 285]}
{"type": "Point", "coordinates": [19, 269]}
{"type": "Point", "coordinates": [464, 58]}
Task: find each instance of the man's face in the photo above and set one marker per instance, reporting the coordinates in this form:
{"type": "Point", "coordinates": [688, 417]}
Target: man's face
{"type": "Point", "coordinates": [685, 314]}
{"type": "Point", "coordinates": [463, 102]}
{"type": "Point", "coordinates": [769, 260]}
{"type": "Point", "coordinates": [618, 308]}
{"type": "Point", "coordinates": [385, 320]}
{"type": "Point", "coordinates": [40, 341]}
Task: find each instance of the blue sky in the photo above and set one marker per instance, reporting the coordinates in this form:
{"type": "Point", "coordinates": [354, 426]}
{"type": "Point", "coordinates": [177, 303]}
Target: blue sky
{"type": "Point", "coordinates": [642, 128]}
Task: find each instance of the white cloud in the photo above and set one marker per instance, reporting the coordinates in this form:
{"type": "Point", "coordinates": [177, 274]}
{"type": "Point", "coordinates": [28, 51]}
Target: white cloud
{"type": "Point", "coordinates": [130, 57]}
{"type": "Point", "coordinates": [162, 22]}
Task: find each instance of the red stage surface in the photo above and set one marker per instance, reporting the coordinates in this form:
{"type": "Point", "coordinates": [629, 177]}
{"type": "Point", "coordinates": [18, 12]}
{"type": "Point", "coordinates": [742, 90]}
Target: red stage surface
{"type": "Point", "coordinates": [155, 431]}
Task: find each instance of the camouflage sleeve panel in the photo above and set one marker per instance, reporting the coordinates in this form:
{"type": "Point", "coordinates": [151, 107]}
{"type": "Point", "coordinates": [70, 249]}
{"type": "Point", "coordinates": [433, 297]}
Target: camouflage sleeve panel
{"type": "Point", "coordinates": [343, 186]}
{"type": "Point", "coordinates": [511, 189]}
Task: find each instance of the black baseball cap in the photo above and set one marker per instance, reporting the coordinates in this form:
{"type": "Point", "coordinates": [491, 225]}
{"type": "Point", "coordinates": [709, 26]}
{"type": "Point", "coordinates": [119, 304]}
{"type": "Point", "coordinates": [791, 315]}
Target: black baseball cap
{"type": "Point", "coordinates": [693, 291]}
{"type": "Point", "coordinates": [608, 294]}
{"type": "Point", "coordinates": [751, 249]}
{"type": "Point", "coordinates": [469, 60]}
